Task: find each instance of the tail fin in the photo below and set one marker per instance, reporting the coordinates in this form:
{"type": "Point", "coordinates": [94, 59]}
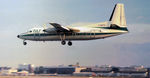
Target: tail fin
{"type": "Point", "coordinates": [117, 18]}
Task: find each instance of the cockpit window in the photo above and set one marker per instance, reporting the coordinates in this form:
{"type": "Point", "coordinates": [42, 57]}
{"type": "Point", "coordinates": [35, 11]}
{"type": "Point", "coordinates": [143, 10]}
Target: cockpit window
{"type": "Point", "coordinates": [30, 31]}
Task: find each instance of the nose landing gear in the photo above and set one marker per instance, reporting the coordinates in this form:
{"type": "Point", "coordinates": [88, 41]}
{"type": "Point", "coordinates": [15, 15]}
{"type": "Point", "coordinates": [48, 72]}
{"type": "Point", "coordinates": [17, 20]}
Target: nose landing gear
{"type": "Point", "coordinates": [24, 43]}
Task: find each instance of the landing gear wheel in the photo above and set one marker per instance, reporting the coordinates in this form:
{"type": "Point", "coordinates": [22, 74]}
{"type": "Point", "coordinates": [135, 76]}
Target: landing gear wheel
{"type": "Point", "coordinates": [24, 43]}
{"type": "Point", "coordinates": [70, 43]}
{"type": "Point", "coordinates": [63, 42]}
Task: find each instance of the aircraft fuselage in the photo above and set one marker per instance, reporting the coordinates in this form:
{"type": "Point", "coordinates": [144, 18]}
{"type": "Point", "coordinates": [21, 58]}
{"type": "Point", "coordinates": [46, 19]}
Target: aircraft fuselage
{"type": "Point", "coordinates": [37, 34]}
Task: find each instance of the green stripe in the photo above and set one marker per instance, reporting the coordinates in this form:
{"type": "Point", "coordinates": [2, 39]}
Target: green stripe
{"type": "Point", "coordinates": [43, 34]}
{"type": "Point", "coordinates": [121, 28]}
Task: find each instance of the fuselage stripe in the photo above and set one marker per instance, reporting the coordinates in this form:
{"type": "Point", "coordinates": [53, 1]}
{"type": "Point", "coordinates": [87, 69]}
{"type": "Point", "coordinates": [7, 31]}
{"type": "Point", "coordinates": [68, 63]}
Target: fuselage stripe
{"type": "Point", "coordinates": [46, 34]}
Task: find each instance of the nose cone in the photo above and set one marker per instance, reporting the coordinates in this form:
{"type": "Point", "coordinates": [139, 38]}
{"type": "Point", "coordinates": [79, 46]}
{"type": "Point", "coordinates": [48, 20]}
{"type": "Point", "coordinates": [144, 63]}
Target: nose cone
{"type": "Point", "coordinates": [21, 36]}
{"type": "Point", "coordinates": [18, 36]}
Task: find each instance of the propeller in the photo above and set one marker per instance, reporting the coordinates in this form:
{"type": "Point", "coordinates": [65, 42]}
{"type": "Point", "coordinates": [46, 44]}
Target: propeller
{"type": "Point", "coordinates": [45, 27]}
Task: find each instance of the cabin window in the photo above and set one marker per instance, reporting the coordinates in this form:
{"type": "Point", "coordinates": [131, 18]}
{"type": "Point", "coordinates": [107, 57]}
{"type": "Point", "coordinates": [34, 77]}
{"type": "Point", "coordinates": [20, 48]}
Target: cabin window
{"type": "Point", "coordinates": [100, 31]}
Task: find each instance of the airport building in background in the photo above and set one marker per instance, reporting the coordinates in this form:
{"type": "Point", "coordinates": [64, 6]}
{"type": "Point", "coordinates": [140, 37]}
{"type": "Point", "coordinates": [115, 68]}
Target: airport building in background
{"type": "Point", "coordinates": [26, 67]}
{"type": "Point", "coordinates": [8, 71]}
{"type": "Point", "coordinates": [132, 71]}
{"type": "Point", "coordinates": [102, 71]}
{"type": "Point", "coordinates": [77, 70]}
{"type": "Point", "coordinates": [22, 70]}
{"type": "Point", "coordinates": [70, 69]}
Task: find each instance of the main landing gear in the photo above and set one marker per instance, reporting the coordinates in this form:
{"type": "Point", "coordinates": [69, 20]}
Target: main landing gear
{"type": "Point", "coordinates": [70, 43]}
{"type": "Point", "coordinates": [24, 43]}
{"type": "Point", "coordinates": [64, 42]}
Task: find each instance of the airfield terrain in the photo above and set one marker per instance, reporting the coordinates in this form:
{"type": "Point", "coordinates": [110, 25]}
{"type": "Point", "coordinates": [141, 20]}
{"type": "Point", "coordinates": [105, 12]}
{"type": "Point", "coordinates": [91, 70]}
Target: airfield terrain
{"type": "Point", "coordinates": [60, 77]}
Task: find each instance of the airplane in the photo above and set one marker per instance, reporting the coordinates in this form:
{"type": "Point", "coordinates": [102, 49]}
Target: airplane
{"type": "Point", "coordinates": [115, 26]}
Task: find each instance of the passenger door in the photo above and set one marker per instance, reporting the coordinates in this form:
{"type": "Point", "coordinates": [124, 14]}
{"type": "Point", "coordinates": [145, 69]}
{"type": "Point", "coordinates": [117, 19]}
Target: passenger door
{"type": "Point", "coordinates": [36, 34]}
{"type": "Point", "coordinates": [92, 34]}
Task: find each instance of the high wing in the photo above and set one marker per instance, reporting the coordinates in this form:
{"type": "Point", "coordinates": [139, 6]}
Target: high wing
{"type": "Point", "coordinates": [60, 28]}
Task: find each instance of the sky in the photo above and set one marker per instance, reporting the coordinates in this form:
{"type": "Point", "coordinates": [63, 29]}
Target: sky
{"type": "Point", "coordinates": [17, 16]}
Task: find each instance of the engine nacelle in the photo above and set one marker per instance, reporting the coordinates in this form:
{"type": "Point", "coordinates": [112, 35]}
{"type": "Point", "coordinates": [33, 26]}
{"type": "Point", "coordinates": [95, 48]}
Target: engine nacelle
{"type": "Point", "coordinates": [50, 30]}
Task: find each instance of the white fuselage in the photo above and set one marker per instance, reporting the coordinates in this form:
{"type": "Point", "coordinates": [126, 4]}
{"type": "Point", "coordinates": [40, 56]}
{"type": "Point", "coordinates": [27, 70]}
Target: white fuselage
{"type": "Point", "coordinates": [86, 33]}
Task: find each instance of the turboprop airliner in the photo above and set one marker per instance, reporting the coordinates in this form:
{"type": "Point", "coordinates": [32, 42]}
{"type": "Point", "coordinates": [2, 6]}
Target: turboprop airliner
{"type": "Point", "coordinates": [115, 26]}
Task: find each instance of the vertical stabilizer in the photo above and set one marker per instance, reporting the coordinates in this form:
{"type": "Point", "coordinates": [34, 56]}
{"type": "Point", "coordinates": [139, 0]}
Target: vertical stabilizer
{"type": "Point", "coordinates": [117, 18]}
